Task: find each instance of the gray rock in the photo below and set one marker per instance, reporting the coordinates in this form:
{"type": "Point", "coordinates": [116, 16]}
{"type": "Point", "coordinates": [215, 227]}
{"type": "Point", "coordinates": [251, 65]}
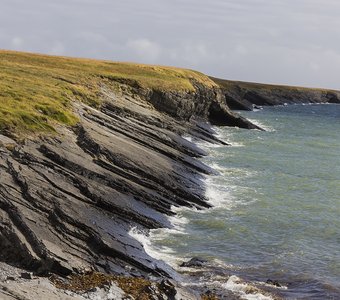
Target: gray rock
{"type": "Point", "coordinates": [12, 278]}
{"type": "Point", "coordinates": [194, 262]}
{"type": "Point", "coordinates": [246, 96]}
{"type": "Point", "coordinates": [68, 203]}
{"type": "Point", "coordinates": [27, 275]}
{"type": "Point", "coordinates": [7, 142]}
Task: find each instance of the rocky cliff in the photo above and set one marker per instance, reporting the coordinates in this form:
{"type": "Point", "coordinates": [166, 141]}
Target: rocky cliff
{"type": "Point", "coordinates": [90, 150]}
{"type": "Point", "coordinates": [67, 202]}
{"type": "Point", "coordinates": [245, 95]}
{"type": "Point", "coordinates": [86, 157]}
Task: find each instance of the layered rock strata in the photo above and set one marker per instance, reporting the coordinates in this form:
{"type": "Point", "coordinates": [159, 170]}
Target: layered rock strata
{"type": "Point", "coordinates": [246, 95]}
{"type": "Point", "coordinates": [68, 202]}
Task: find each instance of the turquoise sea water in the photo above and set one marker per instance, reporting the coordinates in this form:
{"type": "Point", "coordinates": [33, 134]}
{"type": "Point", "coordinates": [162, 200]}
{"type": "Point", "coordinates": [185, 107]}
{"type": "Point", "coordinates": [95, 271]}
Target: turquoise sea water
{"type": "Point", "coordinates": [277, 205]}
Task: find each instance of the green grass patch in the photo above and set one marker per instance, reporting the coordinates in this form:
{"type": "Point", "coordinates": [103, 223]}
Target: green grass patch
{"type": "Point", "coordinates": [228, 84]}
{"type": "Point", "coordinates": [36, 91]}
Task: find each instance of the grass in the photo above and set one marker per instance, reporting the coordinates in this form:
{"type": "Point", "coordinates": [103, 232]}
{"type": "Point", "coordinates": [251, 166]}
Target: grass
{"type": "Point", "coordinates": [36, 91]}
{"type": "Point", "coordinates": [265, 87]}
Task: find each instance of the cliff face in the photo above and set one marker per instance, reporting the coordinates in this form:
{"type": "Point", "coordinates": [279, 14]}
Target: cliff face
{"type": "Point", "coordinates": [208, 104]}
{"type": "Point", "coordinates": [68, 201]}
{"type": "Point", "coordinates": [244, 95]}
{"type": "Point", "coordinates": [100, 153]}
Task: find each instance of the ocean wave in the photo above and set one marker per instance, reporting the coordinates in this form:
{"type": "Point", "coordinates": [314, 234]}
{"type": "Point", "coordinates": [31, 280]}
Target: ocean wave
{"type": "Point", "coordinates": [163, 253]}
{"type": "Point", "coordinates": [217, 198]}
{"type": "Point", "coordinates": [261, 125]}
{"type": "Point", "coordinates": [245, 290]}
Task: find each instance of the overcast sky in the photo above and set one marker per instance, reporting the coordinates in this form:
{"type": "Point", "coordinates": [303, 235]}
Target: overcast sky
{"type": "Point", "coordinates": [274, 41]}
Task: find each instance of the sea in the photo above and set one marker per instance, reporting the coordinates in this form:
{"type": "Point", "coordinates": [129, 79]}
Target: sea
{"type": "Point", "coordinates": [274, 229]}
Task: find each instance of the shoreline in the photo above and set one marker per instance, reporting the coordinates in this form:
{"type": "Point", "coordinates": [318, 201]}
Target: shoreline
{"type": "Point", "coordinates": [73, 198]}
{"type": "Point", "coordinates": [209, 275]}
{"type": "Point", "coordinates": [70, 196]}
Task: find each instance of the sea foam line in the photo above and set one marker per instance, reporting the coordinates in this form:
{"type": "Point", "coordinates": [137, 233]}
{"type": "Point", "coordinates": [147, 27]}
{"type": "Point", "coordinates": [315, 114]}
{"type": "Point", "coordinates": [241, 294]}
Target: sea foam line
{"type": "Point", "coordinates": [219, 196]}
{"type": "Point", "coordinates": [244, 290]}
{"type": "Point", "coordinates": [261, 125]}
{"type": "Point", "coordinates": [163, 253]}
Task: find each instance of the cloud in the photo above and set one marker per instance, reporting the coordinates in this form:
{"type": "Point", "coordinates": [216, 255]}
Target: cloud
{"type": "Point", "coordinates": [314, 66]}
{"type": "Point", "coordinates": [145, 49]}
{"type": "Point", "coordinates": [281, 41]}
{"type": "Point", "coordinates": [17, 42]}
{"type": "Point", "coordinates": [189, 53]}
{"type": "Point", "coordinates": [241, 50]}
{"type": "Point", "coordinates": [57, 48]}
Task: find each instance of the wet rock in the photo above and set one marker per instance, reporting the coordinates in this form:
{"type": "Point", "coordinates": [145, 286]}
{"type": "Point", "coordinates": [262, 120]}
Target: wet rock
{"type": "Point", "coordinates": [194, 262]}
{"type": "Point", "coordinates": [27, 275]}
{"type": "Point", "coordinates": [168, 288]}
{"type": "Point", "coordinates": [153, 292]}
{"type": "Point", "coordinates": [273, 282]}
{"type": "Point", "coordinates": [68, 202]}
{"type": "Point", "coordinates": [11, 278]}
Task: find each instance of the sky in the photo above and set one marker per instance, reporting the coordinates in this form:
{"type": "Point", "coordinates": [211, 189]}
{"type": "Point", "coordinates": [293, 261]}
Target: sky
{"type": "Point", "coordinates": [295, 42]}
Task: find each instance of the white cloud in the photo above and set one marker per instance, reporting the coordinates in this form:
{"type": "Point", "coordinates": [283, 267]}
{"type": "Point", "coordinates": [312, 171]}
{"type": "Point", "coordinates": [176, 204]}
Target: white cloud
{"type": "Point", "coordinates": [189, 53]}
{"type": "Point", "coordinates": [145, 49]}
{"type": "Point", "coordinates": [241, 50]}
{"type": "Point", "coordinates": [282, 41]}
{"type": "Point", "coordinates": [314, 66]}
{"type": "Point", "coordinates": [57, 48]}
{"type": "Point", "coordinates": [17, 42]}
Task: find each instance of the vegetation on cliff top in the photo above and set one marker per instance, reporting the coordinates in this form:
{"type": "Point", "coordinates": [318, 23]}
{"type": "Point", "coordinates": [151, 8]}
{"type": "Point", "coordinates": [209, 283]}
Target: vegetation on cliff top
{"type": "Point", "coordinates": [223, 83]}
{"type": "Point", "coordinates": [36, 91]}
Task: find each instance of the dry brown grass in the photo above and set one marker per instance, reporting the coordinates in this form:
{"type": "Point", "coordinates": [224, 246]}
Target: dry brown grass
{"type": "Point", "coordinates": [266, 87]}
{"type": "Point", "coordinates": [136, 287]}
{"type": "Point", "coordinates": [36, 91]}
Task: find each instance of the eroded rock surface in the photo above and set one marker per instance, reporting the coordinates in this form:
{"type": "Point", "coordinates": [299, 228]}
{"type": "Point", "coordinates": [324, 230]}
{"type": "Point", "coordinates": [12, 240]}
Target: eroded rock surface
{"type": "Point", "coordinates": [246, 95]}
{"type": "Point", "coordinates": [68, 202]}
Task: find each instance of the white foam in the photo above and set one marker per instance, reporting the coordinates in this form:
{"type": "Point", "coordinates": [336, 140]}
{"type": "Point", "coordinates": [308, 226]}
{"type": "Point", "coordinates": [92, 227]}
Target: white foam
{"type": "Point", "coordinates": [219, 191]}
{"type": "Point", "coordinates": [188, 138]}
{"type": "Point", "coordinates": [244, 290]}
{"type": "Point", "coordinates": [281, 287]}
{"type": "Point", "coordinates": [208, 145]}
{"type": "Point", "coordinates": [163, 253]}
{"type": "Point", "coordinates": [226, 135]}
{"type": "Point", "coordinates": [148, 240]}
{"type": "Point", "coordinates": [217, 167]}
{"type": "Point", "coordinates": [217, 198]}
{"type": "Point", "coordinates": [261, 125]}
{"type": "Point", "coordinates": [238, 145]}
{"type": "Point", "coordinates": [235, 285]}
{"type": "Point", "coordinates": [178, 209]}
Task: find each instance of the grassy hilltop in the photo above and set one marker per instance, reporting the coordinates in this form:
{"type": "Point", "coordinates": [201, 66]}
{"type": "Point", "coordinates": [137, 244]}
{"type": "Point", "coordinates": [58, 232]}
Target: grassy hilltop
{"type": "Point", "coordinates": [243, 95]}
{"type": "Point", "coordinates": [36, 91]}
{"type": "Point", "coordinates": [228, 84]}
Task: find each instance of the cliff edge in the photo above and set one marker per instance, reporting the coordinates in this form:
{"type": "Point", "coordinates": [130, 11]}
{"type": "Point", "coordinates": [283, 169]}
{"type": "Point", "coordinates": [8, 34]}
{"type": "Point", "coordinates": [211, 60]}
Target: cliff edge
{"type": "Point", "coordinates": [247, 95]}
{"type": "Point", "coordinates": [90, 150]}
